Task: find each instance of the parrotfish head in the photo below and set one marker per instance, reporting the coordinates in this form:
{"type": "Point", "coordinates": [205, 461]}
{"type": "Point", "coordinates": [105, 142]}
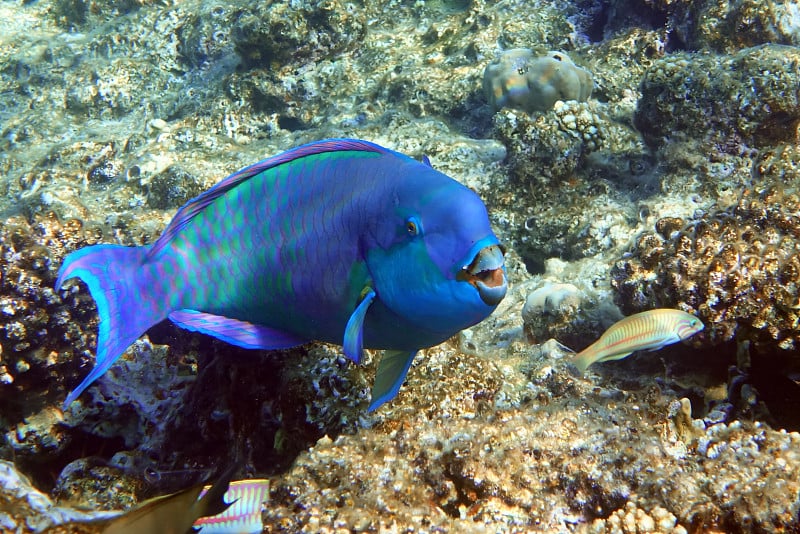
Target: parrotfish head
{"type": "Point", "coordinates": [437, 263]}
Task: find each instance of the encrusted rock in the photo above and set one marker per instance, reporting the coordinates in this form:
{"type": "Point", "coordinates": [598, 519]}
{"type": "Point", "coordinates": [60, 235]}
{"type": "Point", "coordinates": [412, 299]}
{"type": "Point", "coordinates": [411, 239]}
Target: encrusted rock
{"type": "Point", "coordinates": [738, 269]}
{"type": "Point", "coordinates": [519, 80]}
{"type": "Point", "coordinates": [753, 95]}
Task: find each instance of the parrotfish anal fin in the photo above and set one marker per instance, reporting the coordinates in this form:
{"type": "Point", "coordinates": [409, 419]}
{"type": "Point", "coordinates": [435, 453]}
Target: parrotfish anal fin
{"type": "Point", "coordinates": [354, 331]}
{"type": "Point", "coordinates": [197, 204]}
{"type": "Point", "coordinates": [390, 376]}
{"type": "Point", "coordinates": [234, 331]}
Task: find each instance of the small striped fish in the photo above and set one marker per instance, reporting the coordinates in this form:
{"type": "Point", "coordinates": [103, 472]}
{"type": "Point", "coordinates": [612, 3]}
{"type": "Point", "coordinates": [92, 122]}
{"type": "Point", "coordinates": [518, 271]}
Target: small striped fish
{"type": "Point", "coordinates": [244, 515]}
{"type": "Point", "coordinates": [650, 330]}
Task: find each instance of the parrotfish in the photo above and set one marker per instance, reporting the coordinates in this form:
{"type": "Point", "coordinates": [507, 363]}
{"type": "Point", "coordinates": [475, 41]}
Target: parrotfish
{"type": "Point", "coordinates": [341, 241]}
{"type": "Point", "coordinates": [649, 330]}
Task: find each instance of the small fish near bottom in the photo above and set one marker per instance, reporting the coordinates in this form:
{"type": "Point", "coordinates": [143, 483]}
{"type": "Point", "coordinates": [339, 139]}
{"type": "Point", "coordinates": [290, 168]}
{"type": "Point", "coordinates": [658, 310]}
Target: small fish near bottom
{"type": "Point", "coordinates": [649, 330]}
{"type": "Point", "coordinates": [221, 508]}
{"type": "Point", "coordinates": [340, 240]}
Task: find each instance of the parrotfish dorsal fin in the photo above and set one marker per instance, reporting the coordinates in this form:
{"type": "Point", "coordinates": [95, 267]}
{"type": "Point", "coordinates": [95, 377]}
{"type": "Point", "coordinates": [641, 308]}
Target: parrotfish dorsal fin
{"type": "Point", "coordinates": [196, 205]}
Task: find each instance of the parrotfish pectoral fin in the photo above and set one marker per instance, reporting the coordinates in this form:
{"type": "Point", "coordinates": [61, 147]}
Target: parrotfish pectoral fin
{"type": "Point", "coordinates": [114, 276]}
{"type": "Point", "coordinates": [354, 331]}
{"type": "Point", "coordinates": [234, 331]}
{"type": "Point", "coordinates": [390, 376]}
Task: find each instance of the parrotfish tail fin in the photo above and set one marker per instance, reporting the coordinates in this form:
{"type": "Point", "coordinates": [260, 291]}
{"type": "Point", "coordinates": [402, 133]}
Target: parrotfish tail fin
{"type": "Point", "coordinates": [390, 376]}
{"type": "Point", "coordinates": [114, 278]}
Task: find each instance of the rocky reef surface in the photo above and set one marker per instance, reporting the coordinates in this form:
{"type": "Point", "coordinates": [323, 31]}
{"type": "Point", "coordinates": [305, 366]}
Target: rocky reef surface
{"type": "Point", "coordinates": [673, 185]}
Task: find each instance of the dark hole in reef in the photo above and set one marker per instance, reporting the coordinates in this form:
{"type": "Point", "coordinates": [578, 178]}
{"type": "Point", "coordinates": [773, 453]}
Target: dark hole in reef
{"type": "Point", "coordinates": [43, 474]}
{"type": "Point", "coordinates": [776, 388]}
{"type": "Point", "coordinates": [590, 498]}
{"type": "Point", "coordinates": [596, 30]}
{"type": "Point", "coordinates": [780, 127]}
{"type": "Point", "coordinates": [238, 393]}
{"type": "Point", "coordinates": [292, 124]}
{"type": "Point", "coordinates": [472, 117]}
{"type": "Point", "coordinates": [467, 491]}
{"type": "Point", "coordinates": [534, 265]}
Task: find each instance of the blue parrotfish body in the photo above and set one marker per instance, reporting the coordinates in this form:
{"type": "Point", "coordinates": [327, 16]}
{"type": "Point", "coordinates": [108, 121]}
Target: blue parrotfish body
{"type": "Point", "coordinates": [340, 241]}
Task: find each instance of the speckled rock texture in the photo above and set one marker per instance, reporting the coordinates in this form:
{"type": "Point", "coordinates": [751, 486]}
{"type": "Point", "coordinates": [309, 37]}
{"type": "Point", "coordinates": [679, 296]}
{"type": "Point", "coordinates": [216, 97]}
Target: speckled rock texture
{"type": "Point", "coordinates": [43, 336]}
{"type": "Point", "coordinates": [520, 80]}
{"type": "Point", "coordinates": [738, 269]}
{"type": "Point", "coordinates": [752, 96]}
{"type": "Point", "coordinates": [730, 26]}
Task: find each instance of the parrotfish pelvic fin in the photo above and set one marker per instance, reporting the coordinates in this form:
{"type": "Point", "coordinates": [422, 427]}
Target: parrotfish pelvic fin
{"type": "Point", "coordinates": [354, 331]}
{"type": "Point", "coordinates": [197, 204]}
{"type": "Point", "coordinates": [390, 376]}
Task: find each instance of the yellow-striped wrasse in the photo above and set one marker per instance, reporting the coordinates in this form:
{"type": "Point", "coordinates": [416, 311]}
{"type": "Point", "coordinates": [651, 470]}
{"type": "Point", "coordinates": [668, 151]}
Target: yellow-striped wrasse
{"type": "Point", "coordinates": [650, 330]}
{"type": "Point", "coordinates": [243, 516]}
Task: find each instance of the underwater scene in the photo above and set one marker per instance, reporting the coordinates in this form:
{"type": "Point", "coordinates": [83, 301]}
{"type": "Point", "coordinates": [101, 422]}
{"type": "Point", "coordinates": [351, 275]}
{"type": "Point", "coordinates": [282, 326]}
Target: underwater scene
{"type": "Point", "coordinates": [399, 266]}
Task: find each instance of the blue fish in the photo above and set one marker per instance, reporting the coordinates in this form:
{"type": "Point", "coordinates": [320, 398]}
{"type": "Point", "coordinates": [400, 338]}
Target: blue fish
{"type": "Point", "coordinates": [341, 241]}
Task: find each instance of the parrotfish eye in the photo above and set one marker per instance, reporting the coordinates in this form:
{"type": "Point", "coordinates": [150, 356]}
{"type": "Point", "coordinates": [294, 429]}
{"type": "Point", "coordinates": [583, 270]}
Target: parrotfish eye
{"type": "Point", "coordinates": [412, 226]}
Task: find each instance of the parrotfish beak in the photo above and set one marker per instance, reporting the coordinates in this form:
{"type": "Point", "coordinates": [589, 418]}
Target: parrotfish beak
{"type": "Point", "coordinates": [487, 274]}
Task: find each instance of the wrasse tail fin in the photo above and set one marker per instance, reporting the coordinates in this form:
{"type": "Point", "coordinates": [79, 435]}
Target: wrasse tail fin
{"type": "Point", "coordinates": [113, 275]}
{"type": "Point", "coordinates": [586, 358]}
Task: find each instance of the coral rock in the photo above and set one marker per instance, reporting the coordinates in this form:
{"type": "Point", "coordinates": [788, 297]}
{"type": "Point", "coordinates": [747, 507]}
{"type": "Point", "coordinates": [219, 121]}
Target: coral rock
{"type": "Point", "coordinates": [737, 268]}
{"type": "Point", "coordinates": [519, 80]}
{"type": "Point", "coordinates": [753, 95]}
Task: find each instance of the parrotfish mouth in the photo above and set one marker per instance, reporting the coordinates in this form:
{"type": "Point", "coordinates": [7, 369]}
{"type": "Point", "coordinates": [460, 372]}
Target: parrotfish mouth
{"type": "Point", "coordinates": [487, 275]}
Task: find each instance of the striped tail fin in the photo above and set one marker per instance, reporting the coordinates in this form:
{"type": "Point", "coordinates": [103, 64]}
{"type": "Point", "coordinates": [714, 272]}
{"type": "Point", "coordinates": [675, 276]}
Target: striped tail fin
{"type": "Point", "coordinates": [125, 304]}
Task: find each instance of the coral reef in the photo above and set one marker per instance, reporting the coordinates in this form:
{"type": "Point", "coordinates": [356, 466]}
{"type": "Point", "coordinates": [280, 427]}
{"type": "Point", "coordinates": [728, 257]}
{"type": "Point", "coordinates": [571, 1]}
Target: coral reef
{"type": "Point", "coordinates": [562, 311]}
{"type": "Point", "coordinates": [751, 96]}
{"type": "Point", "coordinates": [736, 268]}
{"type": "Point", "coordinates": [23, 508]}
{"type": "Point", "coordinates": [730, 26]}
{"type": "Point", "coordinates": [519, 80]}
{"type": "Point", "coordinates": [42, 336]}
{"type": "Point", "coordinates": [542, 466]}
{"type": "Point", "coordinates": [114, 113]}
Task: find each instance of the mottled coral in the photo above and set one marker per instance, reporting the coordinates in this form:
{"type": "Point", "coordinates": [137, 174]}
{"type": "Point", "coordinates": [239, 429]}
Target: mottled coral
{"type": "Point", "coordinates": [551, 146]}
{"type": "Point", "coordinates": [519, 80]}
{"type": "Point", "coordinates": [753, 95]}
{"type": "Point", "coordinates": [542, 465]}
{"type": "Point", "coordinates": [736, 24]}
{"type": "Point", "coordinates": [737, 268]}
{"type": "Point", "coordinates": [40, 335]}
